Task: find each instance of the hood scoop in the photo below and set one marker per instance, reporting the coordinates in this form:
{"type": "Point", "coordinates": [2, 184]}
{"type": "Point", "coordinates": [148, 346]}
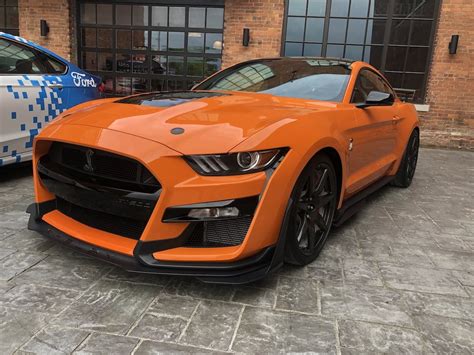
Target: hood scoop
{"type": "Point", "coordinates": [167, 99]}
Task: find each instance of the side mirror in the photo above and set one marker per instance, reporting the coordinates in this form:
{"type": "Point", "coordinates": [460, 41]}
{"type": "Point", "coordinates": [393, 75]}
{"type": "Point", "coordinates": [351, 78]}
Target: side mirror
{"type": "Point", "coordinates": [377, 98]}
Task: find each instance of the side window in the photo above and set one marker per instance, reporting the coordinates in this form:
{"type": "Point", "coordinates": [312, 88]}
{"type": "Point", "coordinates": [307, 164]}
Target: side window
{"type": "Point", "coordinates": [19, 59]}
{"type": "Point", "coordinates": [366, 82]}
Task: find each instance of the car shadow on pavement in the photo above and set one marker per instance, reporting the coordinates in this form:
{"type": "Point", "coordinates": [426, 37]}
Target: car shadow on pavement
{"type": "Point", "coordinates": [15, 171]}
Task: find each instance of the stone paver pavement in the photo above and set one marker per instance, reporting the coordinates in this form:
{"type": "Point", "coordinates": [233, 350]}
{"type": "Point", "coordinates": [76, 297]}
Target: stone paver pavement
{"type": "Point", "coordinates": [397, 278]}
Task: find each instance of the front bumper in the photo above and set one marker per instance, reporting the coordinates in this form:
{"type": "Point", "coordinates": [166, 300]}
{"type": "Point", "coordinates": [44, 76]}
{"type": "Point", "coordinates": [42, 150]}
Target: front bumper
{"type": "Point", "coordinates": [239, 272]}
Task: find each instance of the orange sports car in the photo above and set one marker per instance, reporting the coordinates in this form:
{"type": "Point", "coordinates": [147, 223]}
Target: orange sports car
{"type": "Point", "coordinates": [225, 182]}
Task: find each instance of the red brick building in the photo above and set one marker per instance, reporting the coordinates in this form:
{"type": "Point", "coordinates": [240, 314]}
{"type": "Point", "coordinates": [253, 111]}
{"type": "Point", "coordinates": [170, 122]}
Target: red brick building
{"type": "Point", "coordinates": [138, 45]}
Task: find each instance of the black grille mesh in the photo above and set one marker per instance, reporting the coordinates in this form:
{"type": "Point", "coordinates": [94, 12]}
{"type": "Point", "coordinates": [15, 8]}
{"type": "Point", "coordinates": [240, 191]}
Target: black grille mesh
{"type": "Point", "coordinates": [125, 227]}
{"type": "Point", "coordinates": [222, 233]}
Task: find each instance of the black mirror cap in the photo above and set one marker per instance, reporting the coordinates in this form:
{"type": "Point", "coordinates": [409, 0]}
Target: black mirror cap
{"type": "Point", "coordinates": [377, 98]}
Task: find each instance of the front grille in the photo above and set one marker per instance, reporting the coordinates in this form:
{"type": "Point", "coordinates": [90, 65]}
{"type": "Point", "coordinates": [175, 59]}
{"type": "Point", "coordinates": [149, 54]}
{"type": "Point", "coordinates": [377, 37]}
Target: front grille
{"type": "Point", "coordinates": [98, 166]}
{"type": "Point", "coordinates": [125, 227]}
{"type": "Point", "coordinates": [224, 233]}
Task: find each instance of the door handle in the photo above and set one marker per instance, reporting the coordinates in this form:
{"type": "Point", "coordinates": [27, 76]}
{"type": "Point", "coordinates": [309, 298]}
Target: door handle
{"type": "Point", "coordinates": [55, 86]}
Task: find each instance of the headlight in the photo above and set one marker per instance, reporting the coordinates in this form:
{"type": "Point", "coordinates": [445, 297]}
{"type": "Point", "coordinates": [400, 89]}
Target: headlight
{"type": "Point", "coordinates": [235, 163]}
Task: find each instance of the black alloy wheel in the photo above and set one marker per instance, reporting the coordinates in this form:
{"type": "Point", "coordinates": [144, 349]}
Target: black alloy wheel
{"type": "Point", "coordinates": [407, 168]}
{"type": "Point", "coordinates": [315, 200]}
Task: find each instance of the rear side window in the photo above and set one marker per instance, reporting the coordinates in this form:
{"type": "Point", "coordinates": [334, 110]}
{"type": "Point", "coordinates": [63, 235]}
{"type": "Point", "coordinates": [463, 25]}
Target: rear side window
{"type": "Point", "coordinates": [19, 59]}
{"type": "Point", "coordinates": [369, 81]}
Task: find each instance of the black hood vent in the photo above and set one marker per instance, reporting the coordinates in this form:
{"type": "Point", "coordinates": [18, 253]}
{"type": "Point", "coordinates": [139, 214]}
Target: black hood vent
{"type": "Point", "coordinates": [167, 99]}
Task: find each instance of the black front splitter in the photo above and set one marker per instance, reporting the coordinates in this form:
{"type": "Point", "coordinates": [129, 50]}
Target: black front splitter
{"type": "Point", "coordinates": [239, 272]}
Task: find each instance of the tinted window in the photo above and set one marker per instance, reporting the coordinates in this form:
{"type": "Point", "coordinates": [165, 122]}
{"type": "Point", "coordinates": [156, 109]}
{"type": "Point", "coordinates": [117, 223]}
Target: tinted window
{"type": "Point", "coordinates": [307, 79]}
{"type": "Point", "coordinates": [369, 81]}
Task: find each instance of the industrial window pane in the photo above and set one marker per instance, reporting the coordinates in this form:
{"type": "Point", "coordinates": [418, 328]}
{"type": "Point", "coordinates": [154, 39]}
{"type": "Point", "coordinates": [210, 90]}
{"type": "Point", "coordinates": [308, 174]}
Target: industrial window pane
{"type": "Point", "coordinates": [314, 30]}
{"type": "Point", "coordinates": [109, 84]}
{"type": "Point", "coordinates": [340, 8]}
{"type": "Point", "coordinates": [105, 38]}
{"type": "Point", "coordinates": [139, 85]}
{"type": "Point", "coordinates": [105, 61]}
{"type": "Point", "coordinates": [195, 66]}
{"type": "Point", "coordinates": [335, 51]}
{"type": "Point", "coordinates": [177, 16]}
{"type": "Point", "coordinates": [356, 31]}
{"type": "Point", "coordinates": [176, 41]}
{"type": "Point", "coordinates": [213, 43]}
{"type": "Point", "coordinates": [139, 40]}
{"type": "Point", "coordinates": [2, 17]}
{"type": "Point", "coordinates": [317, 7]}
{"type": "Point", "coordinates": [417, 59]}
{"type": "Point", "coordinates": [123, 86]}
{"type": "Point", "coordinates": [293, 49]}
{"type": "Point", "coordinates": [11, 17]}
{"type": "Point", "coordinates": [295, 29]}
{"type": "Point", "coordinates": [195, 42]}
{"type": "Point", "coordinates": [337, 30]}
{"type": "Point", "coordinates": [359, 8]}
{"type": "Point", "coordinates": [378, 8]}
{"type": "Point", "coordinates": [373, 55]}
{"type": "Point", "coordinates": [400, 32]}
{"type": "Point", "coordinates": [176, 65]}
{"type": "Point", "coordinates": [140, 64]}
{"type": "Point", "coordinates": [159, 41]}
{"type": "Point", "coordinates": [88, 15]}
{"type": "Point", "coordinates": [354, 52]}
{"type": "Point", "coordinates": [123, 15]}
{"type": "Point", "coordinates": [395, 58]}
{"type": "Point", "coordinates": [89, 38]}
{"type": "Point", "coordinates": [104, 14]}
{"type": "Point", "coordinates": [197, 17]}
{"type": "Point", "coordinates": [297, 7]}
{"type": "Point", "coordinates": [312, 49]}
{"type": "Point", "coordinates": [124, 39]}
{"type": "Point", "coordinates": [158, 64]}
{"type": "Point", "coordinates": [375, 31]}
{"type": "Point", "coordinates": [124, 63]}
{"type": "Point", "coordinates": [89, 60]}
{"type": "Point", "coordinates": [159, 16]}
{"type": "Point", "coordinates": [140, 15]}
{"type": "Point", "coordinates": [421, 31]}
{"type": "Point", "coordinates": [215, 18]}
{"type": "Point", "coordinates": [158, 85]}
{"type": "Point", "coordinates": [212, 65]}
{"type": "Point", "coordinates": [411, 8]}
{"type": "Point", "coordinates": [175, 85]}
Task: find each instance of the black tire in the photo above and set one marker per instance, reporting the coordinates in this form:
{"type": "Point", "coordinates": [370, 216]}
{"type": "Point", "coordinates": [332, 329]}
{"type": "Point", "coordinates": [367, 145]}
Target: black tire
{"type": "Point", "coordinates": [314, 204]}
{"type": "Point", "coordinates": [407, 168]}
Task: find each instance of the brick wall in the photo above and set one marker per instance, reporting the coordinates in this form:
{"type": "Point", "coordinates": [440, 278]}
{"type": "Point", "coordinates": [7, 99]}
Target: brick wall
{"type": "Point", "coordinates": [264, 18]}
{"type": "Point", "coordinates": [57, 14]}
{"type": "Point", "coordinates": [450, 120]}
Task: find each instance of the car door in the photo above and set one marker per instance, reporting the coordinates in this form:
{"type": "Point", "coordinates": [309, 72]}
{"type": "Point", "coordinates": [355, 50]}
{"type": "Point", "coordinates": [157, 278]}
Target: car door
{"type": "Point", "coordinates": [31, 95]}
{"type": "Point", "coordinates": [374, 137]}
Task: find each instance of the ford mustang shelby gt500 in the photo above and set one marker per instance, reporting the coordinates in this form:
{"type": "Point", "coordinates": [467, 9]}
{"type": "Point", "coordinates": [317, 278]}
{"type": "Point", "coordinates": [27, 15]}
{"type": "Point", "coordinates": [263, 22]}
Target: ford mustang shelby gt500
{"type": "Point", "coordinates": [228, 181]}
{"type": "Point", "coordinates": [35, 86]}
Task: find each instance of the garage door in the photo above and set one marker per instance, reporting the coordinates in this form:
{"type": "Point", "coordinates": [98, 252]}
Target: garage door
{"type": "Point", "coordinates": [155, 46]}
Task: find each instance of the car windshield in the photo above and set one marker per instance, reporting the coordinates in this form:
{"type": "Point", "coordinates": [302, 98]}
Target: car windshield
{"type": "Point", "coordinates": [315, 79]}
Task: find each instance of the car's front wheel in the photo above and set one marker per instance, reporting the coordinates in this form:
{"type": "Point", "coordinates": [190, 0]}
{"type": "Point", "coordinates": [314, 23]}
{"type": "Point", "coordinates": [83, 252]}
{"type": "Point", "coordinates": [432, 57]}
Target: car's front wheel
{"type": "Point", "coordinates": [314, 204]}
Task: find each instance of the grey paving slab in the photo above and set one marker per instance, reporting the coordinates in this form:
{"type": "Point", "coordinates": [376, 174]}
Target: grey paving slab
{"type": "Point", "coordinates": [366, 303]}
{"type": "Point", "coordinates": [105, 344]}
{"type": "Point", "coordinates": [445, 259]}
{"type": "Point", "coordinates": [213, 325]}
{"type": "Point", "coordinates": [109, 306]}
{"type": "Point", "coordinates": [362, 271]}
{"type": "Point", "coordinates": [147, 279]}
{"type": "Point", "coordinates": [298, 295]}
{"type": "Point", "coordinates": [17, 327]}
{"type": "Point", "coordinates": [444, 335]}
{"type": "Point", "coordinates": [55, 340]}
{"type": "Point", "coordinates": [261, 297]}
{"type": "Point", "coordinates": [195, 288]}
{"type": "Point", "coordinates": [415, 278]}
{"type": "Point", "coordinates": [26, 240]}
{"type": "Point", "coordinates": [73, 273]}
{"type": "Point", "coordinates": [363, 337]}
{"type": "Point", "coordinates": [152, 347]}
{"type": "Point", "coordinates": [265, 332]}
{"type": "Point", "coordinates": [16, 263]}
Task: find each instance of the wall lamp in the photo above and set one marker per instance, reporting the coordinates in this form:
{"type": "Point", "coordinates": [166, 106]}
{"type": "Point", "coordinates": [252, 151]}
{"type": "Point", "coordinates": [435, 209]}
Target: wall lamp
{"type": "Point", "coordinates": [246, 37]}
{"type": "Point", "coordinates": [44, 28]}
{"type": "Point", "coordinates": [453, 45]}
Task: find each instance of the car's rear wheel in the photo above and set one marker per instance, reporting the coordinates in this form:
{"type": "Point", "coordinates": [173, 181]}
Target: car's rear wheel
{"type": "Point", "coordinates": [407, 168]}
{"type": "Point", "coordinates": [311, 216]}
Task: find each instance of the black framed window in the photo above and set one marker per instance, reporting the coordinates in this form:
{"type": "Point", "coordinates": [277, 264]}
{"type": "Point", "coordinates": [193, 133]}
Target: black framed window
{"type": "Point", "coordinates": [9, 16]}
{"type": "Point", "coordinates": [139, 47]}
{"type": "Point", "coordinates": [395, 36]}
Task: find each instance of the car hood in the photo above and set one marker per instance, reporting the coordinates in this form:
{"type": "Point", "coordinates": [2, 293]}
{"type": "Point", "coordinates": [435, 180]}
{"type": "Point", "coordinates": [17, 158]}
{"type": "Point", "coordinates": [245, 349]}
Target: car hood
{"type": "Point", "coordinates": [195, 122]}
